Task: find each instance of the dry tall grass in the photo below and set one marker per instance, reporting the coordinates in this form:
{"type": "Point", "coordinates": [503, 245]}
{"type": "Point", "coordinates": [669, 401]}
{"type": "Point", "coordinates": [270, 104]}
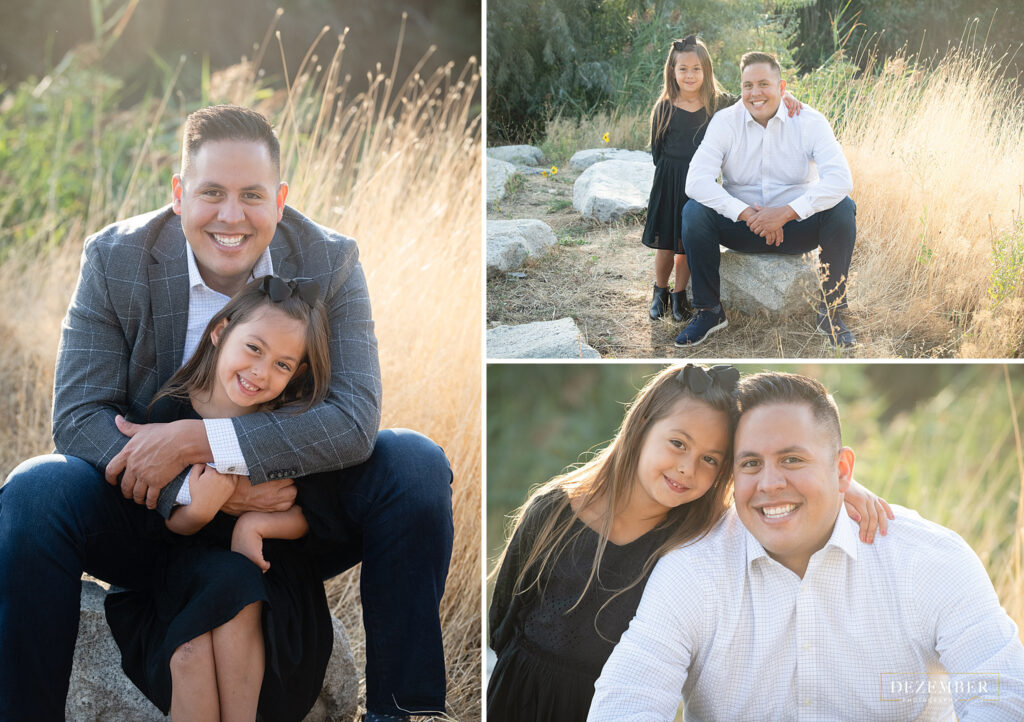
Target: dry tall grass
{"type": "Point", "coordinates": [397, 166]}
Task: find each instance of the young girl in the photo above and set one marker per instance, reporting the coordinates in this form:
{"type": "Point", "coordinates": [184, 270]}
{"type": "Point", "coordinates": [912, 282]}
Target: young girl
{"type": "Point", "coordinates": [585, 543]}
{"type": "Point", "coordinates": [690, 96]}
{"type": "Point", "coordinates": [221, 635]}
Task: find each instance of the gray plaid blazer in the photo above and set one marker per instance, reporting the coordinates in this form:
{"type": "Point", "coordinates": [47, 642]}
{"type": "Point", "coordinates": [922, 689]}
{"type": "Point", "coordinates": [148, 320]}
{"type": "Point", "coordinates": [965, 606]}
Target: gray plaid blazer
{"type": "Point", "coordinates": [124, 335]}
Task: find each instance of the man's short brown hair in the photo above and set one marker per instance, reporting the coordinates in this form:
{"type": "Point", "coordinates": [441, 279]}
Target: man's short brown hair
{"type": "Point", "coordinates": [755, 56]}
{"type": "Point", "coordinates": [774, 387]}
{"type": "Point", "coordinates": [227, 122]}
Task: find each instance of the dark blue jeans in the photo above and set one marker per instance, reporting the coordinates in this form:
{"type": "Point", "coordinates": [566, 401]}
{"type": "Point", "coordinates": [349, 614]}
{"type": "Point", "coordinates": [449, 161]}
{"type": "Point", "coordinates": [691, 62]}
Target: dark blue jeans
{"type": "Point", "coordinates": [58, 518]}
{"type": "Point", "coordinates": [704, 230]}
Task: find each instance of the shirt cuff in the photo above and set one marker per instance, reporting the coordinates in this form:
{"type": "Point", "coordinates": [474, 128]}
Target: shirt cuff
{"type": "Point", "coordinates": [184, 497]}
{"type": "Point", "coordinates": [736, 207]}
{"type": "Point", "coordinates": [802, 207]}
{"type": "Point", "coordinates": [227, 454]}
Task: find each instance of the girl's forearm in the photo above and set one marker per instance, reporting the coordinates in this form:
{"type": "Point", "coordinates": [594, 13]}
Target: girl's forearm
{"type": "Point", "coordinates": [289, 524]}
{"type": "Point", "coordinates": [187, 520]}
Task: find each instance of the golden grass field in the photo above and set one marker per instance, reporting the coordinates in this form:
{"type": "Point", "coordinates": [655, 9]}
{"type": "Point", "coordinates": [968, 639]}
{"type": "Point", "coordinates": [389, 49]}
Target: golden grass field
{"type": "Point", "coordinates": [937, 156]}
{"type": "Point", "coordinates": [393, 163]}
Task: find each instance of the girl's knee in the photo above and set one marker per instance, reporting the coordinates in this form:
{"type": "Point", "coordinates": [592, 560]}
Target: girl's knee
{"type": "Point", "coordinates": [188, 654]}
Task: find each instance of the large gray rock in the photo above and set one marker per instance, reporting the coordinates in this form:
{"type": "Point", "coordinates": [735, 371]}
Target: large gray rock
{"type": "Point", "coordinates": [780, 285]}
{"type": "Point", "coordinates": [542, 339]}
{"type": "Point", "coordinates": [611, 189]}
{"type": "Point", "coordinates": [509, 243]}
{"type": "Point", "coordinates": [99, 690]}
{"type": "Point", "coordinates": [498, 173]}
{"type": "Point", "coordinates": [517, 154]}
{"type": "Point", "coordinates": [583, 159]}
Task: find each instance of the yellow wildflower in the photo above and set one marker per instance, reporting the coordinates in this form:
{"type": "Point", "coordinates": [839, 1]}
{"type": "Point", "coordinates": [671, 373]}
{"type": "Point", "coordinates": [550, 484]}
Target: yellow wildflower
{"type": "Point", "coordinates": [543, 172]}
{"type": "Point", "coordinates": [605, 138]}
{"type": "Point", "coordinates": [554, 170]}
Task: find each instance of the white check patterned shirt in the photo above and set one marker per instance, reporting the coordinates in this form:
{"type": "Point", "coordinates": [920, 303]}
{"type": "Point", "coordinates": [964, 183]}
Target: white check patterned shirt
{"type": "Point", "coordinates": [792, 161]}
{"type": "Point", "coordinates": [203, 303]}
{"type": "Point", "coordinates": [863, 636]}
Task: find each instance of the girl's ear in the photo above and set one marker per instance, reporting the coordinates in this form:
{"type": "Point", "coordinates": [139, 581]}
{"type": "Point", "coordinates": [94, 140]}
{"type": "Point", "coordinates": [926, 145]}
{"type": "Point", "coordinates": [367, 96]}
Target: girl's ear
{"type": "Point", "coordinates": [218, 331]}
{"type": "Point", "coordinates": [302, 368]}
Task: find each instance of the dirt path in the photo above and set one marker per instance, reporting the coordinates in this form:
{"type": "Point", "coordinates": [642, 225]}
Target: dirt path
{"type": "Point", "coordinates": [601, 276]}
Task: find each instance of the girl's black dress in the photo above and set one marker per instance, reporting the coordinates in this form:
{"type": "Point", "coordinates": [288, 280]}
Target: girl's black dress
{"type": "Point", "coordinates": [198, 583]}
{"type": "Point", "coordinates": [549, 651]}
{"type": "Point", "coordinates": [672, 154]}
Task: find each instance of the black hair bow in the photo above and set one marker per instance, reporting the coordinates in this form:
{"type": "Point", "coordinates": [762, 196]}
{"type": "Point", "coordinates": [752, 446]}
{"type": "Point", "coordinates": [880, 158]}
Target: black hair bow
{"type": "Point", "coordinates": [689, 40]}
{"type": "Point", "coordinates": [699, 379]}
{"type": "Point", "coordinates": [280, 289]}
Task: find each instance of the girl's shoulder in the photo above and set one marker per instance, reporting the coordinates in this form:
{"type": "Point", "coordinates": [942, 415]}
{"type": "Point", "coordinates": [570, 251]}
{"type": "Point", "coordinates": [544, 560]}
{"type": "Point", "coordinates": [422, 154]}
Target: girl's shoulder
{"type": "Point", "coordinates": [543, 505]}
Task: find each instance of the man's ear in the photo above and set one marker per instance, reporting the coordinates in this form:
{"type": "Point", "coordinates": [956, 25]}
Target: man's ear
{"type": "Point", "coordinates": [844, 460]}
{"type": "Point", "coordinates": [782, 87]}
{"type": "Point", "coordinates": [218, 331]}
{"type": "Point", "coordinates": [176, 190]}
{"type": "Point", "coordinates": [282, 194]}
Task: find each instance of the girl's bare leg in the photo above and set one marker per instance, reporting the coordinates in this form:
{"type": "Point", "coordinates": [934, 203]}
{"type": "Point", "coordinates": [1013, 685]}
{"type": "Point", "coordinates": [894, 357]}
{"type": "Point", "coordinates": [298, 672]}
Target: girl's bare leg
{"type": "Point", "coordinates": [238, 651]}
{"type": "Point", "coordinates": [682, 269]}
{"type": "Point", "coordinates": [663, 267]}
{"type": "Point", "coordinates": [194, 681]}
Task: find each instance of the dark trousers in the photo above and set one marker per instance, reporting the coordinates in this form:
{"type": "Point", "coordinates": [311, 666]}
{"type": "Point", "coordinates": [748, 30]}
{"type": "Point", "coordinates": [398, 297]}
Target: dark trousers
{"type": "Point", "coordinates": [704, 230]}
{"type": "Point", "coordinates": [58, 518]}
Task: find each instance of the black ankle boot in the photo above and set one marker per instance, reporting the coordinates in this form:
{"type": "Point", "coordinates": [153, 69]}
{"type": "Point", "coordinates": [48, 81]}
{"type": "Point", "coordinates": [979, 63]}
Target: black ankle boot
{"type": "Point", "coordinates": [681, 308]}
{"type": "Point", "coordinates": [659, 304]}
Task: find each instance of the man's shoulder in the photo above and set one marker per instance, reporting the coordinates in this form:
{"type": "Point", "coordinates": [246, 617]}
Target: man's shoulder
{"type": "Point", "coordinates": [808, 117]}
{"type": "Point", "coordinates": [911, 537]}
{"type": "Point", "coordinates": [717, 552]}
{"type": "Point", "coordinates": [306, 233]}
{"type": "Point", "coordinates": [139, 231]}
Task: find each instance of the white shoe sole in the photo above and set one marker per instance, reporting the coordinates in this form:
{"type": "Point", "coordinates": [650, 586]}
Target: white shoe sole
{"type": "Point", "coordinates": [703, 338]}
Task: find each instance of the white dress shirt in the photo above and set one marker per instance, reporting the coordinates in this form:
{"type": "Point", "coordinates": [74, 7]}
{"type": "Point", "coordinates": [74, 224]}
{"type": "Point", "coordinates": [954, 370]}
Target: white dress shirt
{"type": "Point", "coordinates": [203, 304]}
{"type": "Point", "coordinates": [792, 161]}
{"type": "Point", "coordinates": [738, 636]}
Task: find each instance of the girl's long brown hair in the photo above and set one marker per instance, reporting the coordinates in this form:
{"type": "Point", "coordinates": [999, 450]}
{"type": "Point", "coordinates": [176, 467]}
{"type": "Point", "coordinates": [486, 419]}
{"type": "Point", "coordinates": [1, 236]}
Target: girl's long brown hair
{"type": "Point", "coordinates": [711, 91]}
{"type": "Point", "coordinates": [611, 476]}
{"type": "Point", "coordinates": [304, 389]}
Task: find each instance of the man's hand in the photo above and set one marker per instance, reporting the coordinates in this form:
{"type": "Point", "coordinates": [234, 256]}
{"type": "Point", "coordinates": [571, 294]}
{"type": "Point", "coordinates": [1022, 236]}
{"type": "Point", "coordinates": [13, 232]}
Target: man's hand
{"type": "Point", "coordinates": [153, 456]}
{"type": "Point", "coordinates": [276, 495]}
{"type": "Point", "coordinates": [768, 220]}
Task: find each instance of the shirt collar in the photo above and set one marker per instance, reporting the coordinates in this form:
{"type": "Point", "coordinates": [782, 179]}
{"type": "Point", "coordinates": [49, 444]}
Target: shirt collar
{"type": "Point", "coordinates": [843, 538]}
{"type": "Point", "coordinates": [781, 113]}
{"type": "Point", "coordinates": [264, 267]}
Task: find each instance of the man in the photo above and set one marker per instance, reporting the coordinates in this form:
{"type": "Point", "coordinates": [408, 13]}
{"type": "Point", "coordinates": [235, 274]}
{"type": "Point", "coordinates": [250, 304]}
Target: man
{"type": "Point", "coordinates": [780, 613]}
{"type": "Point", "coordinates": [785, 186]}
{"type": "Point", "coordinates": [147, 288]}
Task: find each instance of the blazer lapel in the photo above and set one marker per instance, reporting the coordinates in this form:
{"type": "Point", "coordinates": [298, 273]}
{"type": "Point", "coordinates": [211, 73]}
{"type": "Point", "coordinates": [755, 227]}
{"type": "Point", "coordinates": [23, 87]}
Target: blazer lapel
{"type": "Point", "coordinates": [168, 289]}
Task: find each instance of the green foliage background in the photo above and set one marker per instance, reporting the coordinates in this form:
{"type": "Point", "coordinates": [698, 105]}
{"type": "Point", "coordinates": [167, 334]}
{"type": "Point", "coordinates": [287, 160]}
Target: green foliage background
{"type": "Point", "coordinates": [575, 58]}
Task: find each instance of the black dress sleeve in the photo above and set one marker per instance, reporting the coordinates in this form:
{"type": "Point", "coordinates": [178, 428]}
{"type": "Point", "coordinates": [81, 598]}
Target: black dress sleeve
{"type": "Point", "coordinates": [657, 118]}
{"type": "Point", "coordinates": [505, 603]}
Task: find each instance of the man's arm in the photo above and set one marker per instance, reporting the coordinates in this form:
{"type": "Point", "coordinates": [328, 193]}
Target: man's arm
{"type": "Point", "coordinates": [91, 378]}
{"type": "Point", "coordinates": [835, 181]}
{"type": "Point", "coordinates": [973, 635]}
{"type": "Point", "coordinates": [643, 679]}
{"type": "Point", "coordinates": [706, 165]}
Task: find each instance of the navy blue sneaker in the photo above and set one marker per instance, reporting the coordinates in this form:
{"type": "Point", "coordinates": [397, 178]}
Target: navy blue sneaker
{"type": "Point", "coordinates": [703, 324]}
{"type": "Point", "coordinates": [831, 325]}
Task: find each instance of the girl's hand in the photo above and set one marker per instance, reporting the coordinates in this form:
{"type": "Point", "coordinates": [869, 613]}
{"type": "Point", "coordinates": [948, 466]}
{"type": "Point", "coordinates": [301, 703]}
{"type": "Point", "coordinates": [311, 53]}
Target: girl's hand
{"type": "Point", "coordinates": [793, 106]}
{"type": "Point", "coordinates": [247, 540]}
{"type": "Point", "coordinates": [871, 511]}
{"type": "Point", "coordinates": [209, 488]}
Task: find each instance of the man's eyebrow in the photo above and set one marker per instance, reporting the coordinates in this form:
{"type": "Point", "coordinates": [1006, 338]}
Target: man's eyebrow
{"type": "Point", "coordinates": [792, 448]}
